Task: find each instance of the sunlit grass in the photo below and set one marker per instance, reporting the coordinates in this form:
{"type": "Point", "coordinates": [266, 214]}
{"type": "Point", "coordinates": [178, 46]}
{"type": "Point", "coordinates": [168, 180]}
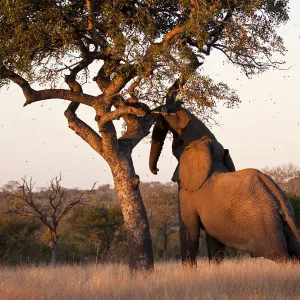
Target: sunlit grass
{"type": "Point", "coordinates": [234, 279]}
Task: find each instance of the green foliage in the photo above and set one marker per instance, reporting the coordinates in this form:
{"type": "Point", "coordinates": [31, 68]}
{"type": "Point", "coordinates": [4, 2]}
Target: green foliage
{"type": "Point", "coordinates": [295, 201]}
{"type": "Point", "coordinates": [39, 38]}
{"type": "Point", "coordinates": [101, 225]}
{"type": "Point", "coordinates": [17, 241]}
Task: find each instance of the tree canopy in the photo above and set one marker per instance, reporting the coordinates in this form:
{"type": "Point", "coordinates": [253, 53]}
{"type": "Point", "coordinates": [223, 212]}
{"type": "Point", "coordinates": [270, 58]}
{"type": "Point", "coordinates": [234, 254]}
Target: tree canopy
{"type": "Point", "coordinates": [147, 43]}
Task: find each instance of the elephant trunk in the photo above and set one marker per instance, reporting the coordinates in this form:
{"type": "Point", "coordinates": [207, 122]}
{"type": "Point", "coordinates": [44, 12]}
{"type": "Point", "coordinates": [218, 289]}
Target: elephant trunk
{"type": "Point", "coordinates": [158, 137]}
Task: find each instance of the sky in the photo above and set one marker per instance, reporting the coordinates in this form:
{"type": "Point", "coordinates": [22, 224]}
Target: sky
{"type": "Point", "coordinates": [36, 142]}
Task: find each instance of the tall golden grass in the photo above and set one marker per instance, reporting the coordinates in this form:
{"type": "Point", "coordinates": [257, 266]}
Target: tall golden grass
{"type": "Point", "coordinates": [234, 279]}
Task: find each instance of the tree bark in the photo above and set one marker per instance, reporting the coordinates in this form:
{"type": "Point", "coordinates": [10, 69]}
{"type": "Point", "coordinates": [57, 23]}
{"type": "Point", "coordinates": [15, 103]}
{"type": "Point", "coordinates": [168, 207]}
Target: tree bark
{"type": "Point", "coordinates": [134, 213]}
{"type": "Point", "coordinates": [165, 241]}
{"type": "Point", "coordinates": [97, 256]}
{"type": "Point", "coordinates": [54, 247]}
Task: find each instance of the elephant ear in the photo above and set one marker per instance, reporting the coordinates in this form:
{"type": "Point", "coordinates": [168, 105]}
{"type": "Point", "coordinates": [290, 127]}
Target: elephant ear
{"type": "Point", "coordinates": [195, 165]}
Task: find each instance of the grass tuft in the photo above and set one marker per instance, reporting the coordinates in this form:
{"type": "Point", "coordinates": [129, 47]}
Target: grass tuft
{"type": "Point", "coordinates": [234, 279]}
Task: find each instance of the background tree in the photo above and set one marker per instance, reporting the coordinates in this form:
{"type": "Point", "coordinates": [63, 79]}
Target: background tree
{"type": "Point", "coordinates": [102, 225]}
{"type": "Point", "coordinates": [295, 201]}
{"type": "Point", "coordinates": [162, 206]}
{"type": "Point", "coordinates": [286, 176]}
{"type": "Point", "coordinates": [49, 212]}
{"type": "Point", "coordinates": [147, 52]}
{"type": "Point", "coordinates": [17, 240]}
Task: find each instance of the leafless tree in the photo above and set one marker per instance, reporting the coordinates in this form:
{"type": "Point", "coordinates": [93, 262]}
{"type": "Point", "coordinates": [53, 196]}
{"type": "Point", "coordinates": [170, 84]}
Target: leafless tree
{"type": "Point", "coordinates": [161, 203]}
{"type": "Point", "coordinates": [49, 211]}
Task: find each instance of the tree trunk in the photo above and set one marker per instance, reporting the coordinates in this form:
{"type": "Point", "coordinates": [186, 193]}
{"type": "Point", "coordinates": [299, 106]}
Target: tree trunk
{"type": "Point", "coordinates": [134, 213]}
{"type": "Point", "coordinates": [97, 256]}
{"type": "Point", "coordinates": [54, 247]}
{"type": "Point", "coordinates": [165, 241]}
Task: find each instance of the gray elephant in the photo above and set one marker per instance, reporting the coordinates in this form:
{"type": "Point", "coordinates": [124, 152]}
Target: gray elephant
{"type": "Point", "coordinates": [241, 209]}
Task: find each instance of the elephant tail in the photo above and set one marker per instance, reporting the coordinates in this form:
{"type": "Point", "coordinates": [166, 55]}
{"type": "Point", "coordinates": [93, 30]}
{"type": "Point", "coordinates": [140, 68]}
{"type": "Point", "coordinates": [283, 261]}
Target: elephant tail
{"type": "Point", "coordinates": [293, 229]}
{"type": "Point", "coordinates": [292, 239]}
{"type": "Point", "coordinates": [286, 211]}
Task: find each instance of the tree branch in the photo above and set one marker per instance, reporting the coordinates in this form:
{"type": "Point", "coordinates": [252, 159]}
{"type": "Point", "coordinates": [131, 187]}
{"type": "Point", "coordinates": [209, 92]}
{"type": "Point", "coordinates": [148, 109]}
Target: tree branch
{"type": "Point", "coordinates": [118, 113]}
{"type": "Point", "coordinates": [169, 38]}
{"type": "Point", "coordinates": [186, 73]}
{"type": "Point", "coordinates": [97, 38]}
{"type": "Point", "coordinates": [138, 131]}
{"type": "Point", "coordinates": [32, 95]}
{"type": "Point", "coordinates": [84, 131]}
{"type": "Point", "coordinates": [69, 207]}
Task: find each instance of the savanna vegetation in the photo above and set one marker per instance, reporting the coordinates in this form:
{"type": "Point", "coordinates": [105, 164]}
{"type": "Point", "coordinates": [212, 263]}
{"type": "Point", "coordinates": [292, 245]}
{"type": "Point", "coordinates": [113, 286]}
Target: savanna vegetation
{"type": "Point", "coordinates": [140, 54]}
{"type": "Point", "coordinates": [92, 227]}
{"type": "Point", "coordinates": [235, 279]}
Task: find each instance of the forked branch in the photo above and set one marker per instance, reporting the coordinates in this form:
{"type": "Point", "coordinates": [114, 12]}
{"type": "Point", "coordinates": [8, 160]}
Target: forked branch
{"type": "Point", "coordinates": [55, 206]}
{"type": "Point", "coordinates": [32, 95]}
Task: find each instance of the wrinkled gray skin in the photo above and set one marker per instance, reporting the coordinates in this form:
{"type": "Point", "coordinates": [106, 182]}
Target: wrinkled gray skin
{"type": "Point", "coordinates": [241, 209]}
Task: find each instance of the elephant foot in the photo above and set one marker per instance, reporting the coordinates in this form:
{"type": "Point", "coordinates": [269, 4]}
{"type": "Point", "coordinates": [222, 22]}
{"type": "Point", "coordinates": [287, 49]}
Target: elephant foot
{"type": "Point", "coordinates": [216, 249]}
{"type": "Point", "coordinates": [218, 257]}
{"type": "Point", "coordinates": [189, 264]}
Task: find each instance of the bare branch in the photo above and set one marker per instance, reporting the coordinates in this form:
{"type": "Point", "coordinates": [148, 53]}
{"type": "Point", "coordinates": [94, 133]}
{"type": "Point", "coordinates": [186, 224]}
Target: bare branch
{"type": "Point", "coordinates": [51, 214]}
{"type": "Point", "coordinates": [118, 113]}
{"type": "Point", "coordinates": [84, 131]}
{"type": "Point", "coordinates": [68, 208]}
{"type": "Point", "coordinates": [137, 131]}
{"type": "Point", "coordinates": [32, 95]}
{"type": "Point", "coordinates": [147, 61]}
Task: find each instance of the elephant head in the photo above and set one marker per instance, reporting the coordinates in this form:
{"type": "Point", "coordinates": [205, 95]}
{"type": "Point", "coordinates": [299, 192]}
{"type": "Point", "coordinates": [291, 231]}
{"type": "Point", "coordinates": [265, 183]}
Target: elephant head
{"type": "Point", "coordinates": [173, 118]}
{"type": "Point", "coordinates": [194, 146]}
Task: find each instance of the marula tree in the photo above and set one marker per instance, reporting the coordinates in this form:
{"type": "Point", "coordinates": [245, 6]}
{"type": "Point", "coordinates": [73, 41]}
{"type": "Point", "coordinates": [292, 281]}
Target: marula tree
{"type": "Point", "coordinates": [148, 52]}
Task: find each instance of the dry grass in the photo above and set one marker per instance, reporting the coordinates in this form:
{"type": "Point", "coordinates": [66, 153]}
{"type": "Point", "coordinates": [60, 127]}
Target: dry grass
{"type": "Point", "coordinates": [243, 279]}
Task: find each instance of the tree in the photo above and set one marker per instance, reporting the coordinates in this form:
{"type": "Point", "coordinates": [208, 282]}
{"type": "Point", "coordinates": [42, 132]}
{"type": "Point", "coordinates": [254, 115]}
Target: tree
{"type": "Point", "coordinates": [102, 225]}
{"type": "Point", "coordinates": [150, 52]}
{"type": "Point", "coordinates": [48, 211]}
{"type": "Point", "coordinates": [161, 203]}
{"type": "Point", "coordinates": [295, 201]}
{"type": "Point", "coordinates": [286, 176]}
{"type": "Point", "coordinates": [17, 239]}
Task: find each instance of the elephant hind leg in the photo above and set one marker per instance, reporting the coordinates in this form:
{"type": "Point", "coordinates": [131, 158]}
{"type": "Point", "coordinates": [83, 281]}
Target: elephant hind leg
{"type": "Point", "coordinates": [216, 249]}
{"type": "Point", "coordinates": [293, 244]}
{"type": "Point", "coordinates": [277, 250]}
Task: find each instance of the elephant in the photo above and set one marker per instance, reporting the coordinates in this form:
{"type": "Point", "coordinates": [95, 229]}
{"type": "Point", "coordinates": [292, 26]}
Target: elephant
{"type": "Point", "coordinates": [242, 209]}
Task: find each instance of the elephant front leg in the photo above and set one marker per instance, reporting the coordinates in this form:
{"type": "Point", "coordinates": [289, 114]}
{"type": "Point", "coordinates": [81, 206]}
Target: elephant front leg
{"type": "Point", "coordinates": [216, 249]}
{"type": "Point", "coordinates": [189, 228]}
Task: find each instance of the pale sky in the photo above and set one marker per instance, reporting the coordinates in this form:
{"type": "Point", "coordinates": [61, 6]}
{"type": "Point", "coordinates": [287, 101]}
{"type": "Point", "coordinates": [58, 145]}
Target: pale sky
{"type": "Point", "coordinates": [264, 130]}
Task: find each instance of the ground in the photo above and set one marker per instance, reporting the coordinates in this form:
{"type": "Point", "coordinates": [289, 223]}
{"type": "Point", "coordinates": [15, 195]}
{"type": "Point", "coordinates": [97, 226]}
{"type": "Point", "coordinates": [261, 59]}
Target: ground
{"type": "Point", "coordinates": [234, 279]}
